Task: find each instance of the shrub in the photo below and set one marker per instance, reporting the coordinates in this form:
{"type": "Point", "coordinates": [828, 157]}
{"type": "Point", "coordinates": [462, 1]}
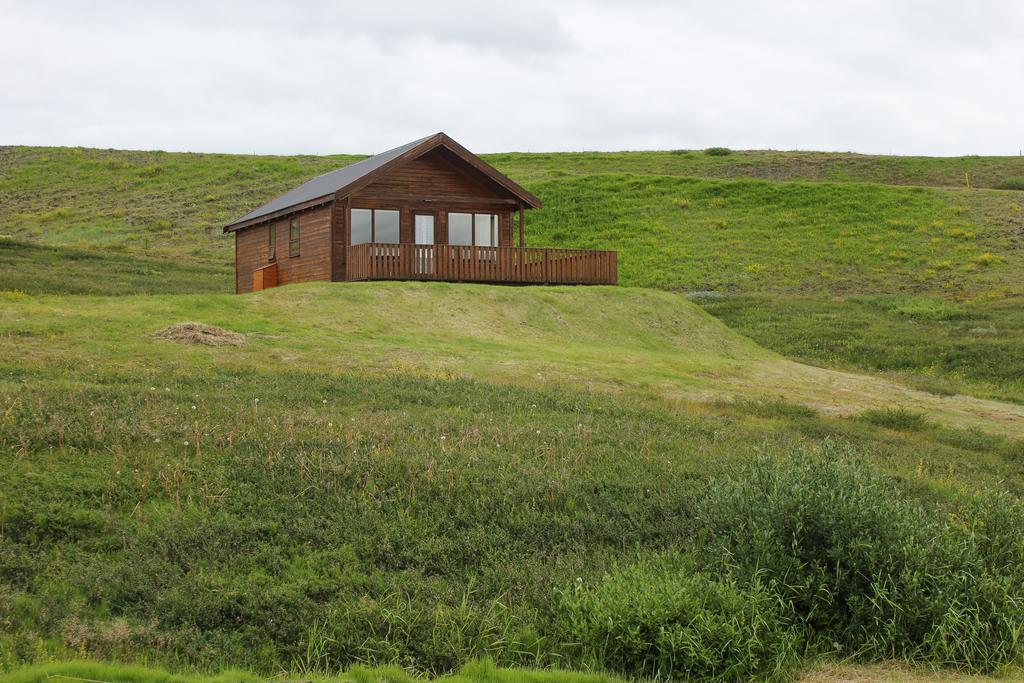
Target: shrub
{"type": "Point", "coordinates": [718, 151]}
{"type": "Point", "coordinates": [661, 618]}
{"type": "Point", "coordinates": [899, 419]}
{"type": "Point", "coordinates": [867, 570]}
{"type": "Point", "coordinates": [1010, 184]}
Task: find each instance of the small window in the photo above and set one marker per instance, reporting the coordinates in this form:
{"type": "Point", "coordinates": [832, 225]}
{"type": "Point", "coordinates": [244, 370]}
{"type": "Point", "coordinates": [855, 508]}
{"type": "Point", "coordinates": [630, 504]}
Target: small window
{"type": "Point", "coordinates": [271, 242]}
{"type": "Point", "coordinates": [362, 226]}
{"type": "Point", "coordinates": [485, 229]}
{"type": "Point", "coordinates": [293, 237]}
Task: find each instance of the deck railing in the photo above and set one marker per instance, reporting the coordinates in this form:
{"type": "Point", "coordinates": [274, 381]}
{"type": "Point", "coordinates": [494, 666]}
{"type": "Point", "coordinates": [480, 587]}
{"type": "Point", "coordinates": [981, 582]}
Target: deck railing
{"type": "Point", "coordinates": [454, 263]}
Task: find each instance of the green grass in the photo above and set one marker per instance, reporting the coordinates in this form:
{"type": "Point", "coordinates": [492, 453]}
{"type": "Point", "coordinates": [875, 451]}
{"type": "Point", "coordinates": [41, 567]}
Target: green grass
{"type": "Point", "coordinates": [787, 238]}
{"type": "Point", "coordinates": [35, 269]}
{"type": "Point", "coordinates": [473, 672]}
{"type": "Point", "coordinates": [724, 231]}
{"type": "Point", "coordinates": [929, 343]}
{"type": "Point", "coordinates": [422, 475]}
{"type": "Point", "coordinates": [426, 470]}
{"type": "Point", "coordinates": [984, 172]}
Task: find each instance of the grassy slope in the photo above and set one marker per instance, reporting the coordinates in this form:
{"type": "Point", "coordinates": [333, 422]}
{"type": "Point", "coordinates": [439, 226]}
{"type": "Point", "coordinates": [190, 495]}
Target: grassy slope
{"type": "Point", "coordinates": [617, 338]}
{"type": "Point", "coordinates": [426, 466]}
{"type": "Point", "coordinates": [35, 269]}
{"type": "Point", "coordinates": [597, 445]}
{"type": "Point", "coordinates": [796, 250]}
{"type": "Point", "coordinates": [673, 232]}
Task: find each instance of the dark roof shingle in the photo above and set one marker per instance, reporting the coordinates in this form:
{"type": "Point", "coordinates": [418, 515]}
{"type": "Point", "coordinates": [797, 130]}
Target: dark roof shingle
{"type": "Point", "coordinates": [326, 185]}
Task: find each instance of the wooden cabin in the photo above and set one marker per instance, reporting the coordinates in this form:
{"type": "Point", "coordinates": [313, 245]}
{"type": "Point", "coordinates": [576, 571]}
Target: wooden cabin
{"type": "Point", "coordinates": [428, 210]}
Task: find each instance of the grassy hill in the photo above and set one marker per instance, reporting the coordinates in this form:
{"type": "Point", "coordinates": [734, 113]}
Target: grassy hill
{"type": "Point", "coordinates": [788, 244]}
{"type": "Point", "coordinates": [429, 473]}
{"type": "Point", "coordinates": [640, 480]}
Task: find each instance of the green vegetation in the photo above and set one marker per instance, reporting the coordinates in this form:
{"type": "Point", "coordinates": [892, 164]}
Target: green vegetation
{"type": "Point", "coordinates": [604, 479]}
{"type": "Point", "coordinates": [933, 344]}
{"type": "Point", "coordinates": [787, 238]}
{"type": "Point", "coordinates": [34, 269]}
{"type": "Point", "coordinates": [816, 234]}
{"type": "Point", "coordinates": [473, 672]}
{"type": "Point", "coordinates": [368, 481]}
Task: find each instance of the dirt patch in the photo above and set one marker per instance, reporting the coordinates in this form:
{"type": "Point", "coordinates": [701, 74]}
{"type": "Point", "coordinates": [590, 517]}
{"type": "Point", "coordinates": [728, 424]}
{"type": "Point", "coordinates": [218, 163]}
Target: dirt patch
{"type": "Point", "coordinates": [198, 333]}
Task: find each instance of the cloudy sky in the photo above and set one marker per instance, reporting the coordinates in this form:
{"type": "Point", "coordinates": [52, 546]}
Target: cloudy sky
{"type": "Point", "coordinates": [272, 76]}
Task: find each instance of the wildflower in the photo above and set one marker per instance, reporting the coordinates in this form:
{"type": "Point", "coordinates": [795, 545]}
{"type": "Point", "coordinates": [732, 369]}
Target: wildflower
{"type": "Point", "coordinates": [330, 424]}
{"type": "Point", "coordinates": [186, 443]}
{"type": "Point", "coordinates": [444, 438]}
{"type": "Point", "coordinates": [324, 401]}
{"type": "Point", "coordinates": [167, 388]}
{"type": "Point", "coordinates": [157, 440]}
{"type": "Point", "coordinates": [193, 407]}
{"type": "Point", "coordinates": [255, 400]}
{"type": "Point", "coordinates": [538, 431]}
{"type": "Point", "coordinates": [152, 388]}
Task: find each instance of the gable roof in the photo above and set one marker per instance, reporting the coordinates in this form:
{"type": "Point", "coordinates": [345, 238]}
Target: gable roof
{"type": "Point", "coordinates": [352, 177]}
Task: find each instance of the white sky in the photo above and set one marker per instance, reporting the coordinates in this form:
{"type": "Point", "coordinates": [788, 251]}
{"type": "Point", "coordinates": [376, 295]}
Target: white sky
{"type": "Point", "coordinates": [270, 76]}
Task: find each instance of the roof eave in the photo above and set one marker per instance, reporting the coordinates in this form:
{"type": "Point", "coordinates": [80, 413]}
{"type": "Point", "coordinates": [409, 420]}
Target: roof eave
{"type": "Point", "coordinates": [240, 224]}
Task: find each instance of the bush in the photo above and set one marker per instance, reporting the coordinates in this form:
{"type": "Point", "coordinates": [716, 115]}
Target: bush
{"type": "Point", "coordinates": [1010, 184]}
{"type": "Point", "coordinates": [899, 419]}
{"type": "Point", "coordinates": [718, 151]}
{"type": "Point", "coordinates": [867, 570]}
{"type": "Point", "coordinates": [662, 619]}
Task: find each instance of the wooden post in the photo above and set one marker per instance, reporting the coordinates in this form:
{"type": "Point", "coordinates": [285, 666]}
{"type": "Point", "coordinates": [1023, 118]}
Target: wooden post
{"type": "Point", "coordinates": [522, 227]}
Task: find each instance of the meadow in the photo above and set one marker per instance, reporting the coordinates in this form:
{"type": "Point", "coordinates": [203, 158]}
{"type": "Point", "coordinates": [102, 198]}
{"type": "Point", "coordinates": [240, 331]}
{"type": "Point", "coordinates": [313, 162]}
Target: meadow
{"type": "Point", "coordinates": [788, 448]}
{"type": "Point", "coordinates": [804, 231]}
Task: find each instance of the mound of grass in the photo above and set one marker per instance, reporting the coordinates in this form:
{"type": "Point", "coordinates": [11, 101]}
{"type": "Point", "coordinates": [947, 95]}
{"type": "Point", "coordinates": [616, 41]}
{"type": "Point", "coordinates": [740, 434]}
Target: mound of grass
{"type": "Point", "coordinates": [199, 333]}
{"type": "Point", "coordinates": [718, 151]}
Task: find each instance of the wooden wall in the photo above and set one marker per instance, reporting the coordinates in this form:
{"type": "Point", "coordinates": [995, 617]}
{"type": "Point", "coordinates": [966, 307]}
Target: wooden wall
{"type": "Point", "coordinates": [445, 181]}
{"type": "Point", "coordinates": [312, 263]}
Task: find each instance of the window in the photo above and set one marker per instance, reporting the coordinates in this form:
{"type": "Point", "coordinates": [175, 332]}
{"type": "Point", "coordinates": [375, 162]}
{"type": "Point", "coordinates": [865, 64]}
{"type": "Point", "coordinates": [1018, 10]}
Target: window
{"type": "Point", "coordinates": [485, 229]}
{"type": "Point", "coordinates": [460, 228]}
{"type": "Point", "coordinates": [375, 225]}
{"type": "Point", "coordinates": [293, 237]}
{"type": "Point", "coordinates": [362, 226]}
{"type": "Point", "coordinates": [271, 242]}
{"type": "Point", "coordinates": [385, 227]}
{"type": "Point", "coordinates": [480, 229]}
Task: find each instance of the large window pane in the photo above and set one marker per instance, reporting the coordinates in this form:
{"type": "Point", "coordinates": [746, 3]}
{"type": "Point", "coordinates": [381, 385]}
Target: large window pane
{"type": "Point", "coordinates": [486, 228]}
{"type": "Point", "coordinates": [460, 228]}
{"type": "Point", "coordinates": [361, 226]}
{"type": "Point", "coordinates": [385, 227]}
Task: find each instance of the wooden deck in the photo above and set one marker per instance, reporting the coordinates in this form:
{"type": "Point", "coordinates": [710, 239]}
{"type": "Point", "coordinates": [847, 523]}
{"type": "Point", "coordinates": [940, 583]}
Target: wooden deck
{"type": "Point", "coordinates": [450, 263]}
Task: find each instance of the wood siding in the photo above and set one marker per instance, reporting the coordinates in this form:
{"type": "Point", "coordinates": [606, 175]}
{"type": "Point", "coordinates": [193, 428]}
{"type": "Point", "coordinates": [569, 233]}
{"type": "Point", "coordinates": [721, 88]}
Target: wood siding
{"type": "Point", "coordinates": [312, 263]}
{"type": "Point", "coordinates": [435, 175]}
{"type": "Point", "coordinates": [438, 182]}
